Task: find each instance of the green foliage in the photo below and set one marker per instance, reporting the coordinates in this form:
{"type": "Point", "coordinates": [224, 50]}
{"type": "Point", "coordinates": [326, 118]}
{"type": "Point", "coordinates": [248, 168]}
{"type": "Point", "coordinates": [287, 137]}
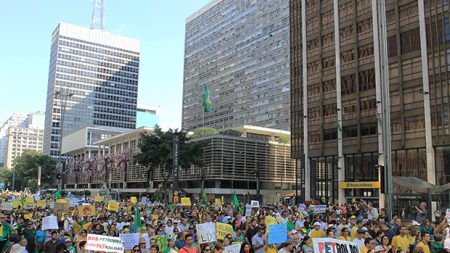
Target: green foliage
{"type": "Point", "coordinates": [231, 132]}
{"type": "Point", "coordinates": [204, 131]}
{"type": "Point", "coordinates": [6, 177]}
{"type": "Point", "coordinates": [157, 151]}
{"type": "Point", "coordinates": [284, 139]}
{"type": "Point", "coordinates": [27, 169]}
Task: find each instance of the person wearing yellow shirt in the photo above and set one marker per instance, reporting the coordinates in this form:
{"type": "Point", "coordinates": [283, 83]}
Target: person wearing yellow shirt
{"type": "Point", "coordinates": [344, 235]}
{"type": "Point", "coordinates": [369, 245]}
{"type": "Point", "coordinates": [316, 232]}
{"type": "Point", "coordinates": [401, 241]}
{"type": "Point", "coordinates": [426, 237]}
{"type": "Point", "coordinates": [359, 225]}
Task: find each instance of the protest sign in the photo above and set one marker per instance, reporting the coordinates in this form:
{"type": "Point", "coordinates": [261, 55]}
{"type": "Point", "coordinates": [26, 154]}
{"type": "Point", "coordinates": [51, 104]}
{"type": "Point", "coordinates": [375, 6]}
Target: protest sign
{"type": "Point", "coordinates": [28, 216]}
{"type": "Point", "coordinates": [144, 200]}
{"type": "Point", "coordinates": [7, 206]}
{"type": "Point", "coordinates": [235, 248]}
{"type": "Point", "coordinates": [223, 230]}
{"type": "Point", "coordinates": [206, 232]}
{"type": "Point", "coordinates": [41, 203]}
{"type": "Point", "coordinates": [104, 243]}
{"type": "Point", "coordinates": [254, 203]}
{"type": "Point", "coordinates": [62, 201]}
{"type": "Point", "coordinates": [186, 202]}
{"type": "Point", "coordinates": [29, 206]}
{"type": "Point", "coordinates": [16, 204]}
{"type": "Point", "coordinates": [113, 206]}
{"type": "Point", "coordinates": [248, 210]}
{"type": "Point", "coordinates": [129, 240]}
{"type": "Point", "coordinates": [29, 200]}
{"type": "Point", "coordinates": [99, 198]}
{"type": "Point", "coordinates": [133, 200]}
{"type": "Point", "coordinates": [277, 233]}
{"type": "Point", "coordinates": [37, 197]}
{"type": "Point", "coordinates": [49, 222]}
{"type": "Point", "coordinates": [324, 245]}
{"type": "Point", "coordinates": [301, 207]}
{"type": "Point", "coordinates": [62, 207]}
{"type": "Point", "coordinates": [86, 210]}
{"type": "Point", "coordinates": [217, 202]}
{"type": "Point", "coordinates": [320, 209]}
{"type": "Point", "coordinates": [162, 242]}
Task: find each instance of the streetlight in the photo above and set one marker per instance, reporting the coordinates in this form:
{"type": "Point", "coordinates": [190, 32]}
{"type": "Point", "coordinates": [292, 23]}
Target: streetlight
{"type": "Point", "coordinates": [64, 96]}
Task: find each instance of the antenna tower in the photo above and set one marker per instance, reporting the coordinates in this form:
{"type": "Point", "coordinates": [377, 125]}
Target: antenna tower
{"type": "Point", "coordinates": [98, 13]}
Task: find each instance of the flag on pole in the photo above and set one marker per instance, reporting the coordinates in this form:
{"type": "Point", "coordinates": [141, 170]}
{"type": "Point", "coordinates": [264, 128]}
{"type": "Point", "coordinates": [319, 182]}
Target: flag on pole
{"type": "Point", "coordinates": [206, 100]}
{"type": "Point", "coordinates": [235, 200]}
{"type": "Point", "coordinates": [203, 197]}
{"type": "Point", "coordinates": [137, 220]}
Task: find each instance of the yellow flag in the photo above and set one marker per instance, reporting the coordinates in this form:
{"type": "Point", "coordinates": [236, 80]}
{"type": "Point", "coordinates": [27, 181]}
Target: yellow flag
{"type": "Point", "coordinates": [113, 206]}
{"type": "Point", "coordinates": [186, 202]}
{"type": "Point", "coordinates": [86, 210]}
{"type": "Point", "coordinates": [218, 202]}
{"type": "Point", "coordinates": [41, 203]}
{"type": "Point", "coordinates": [133, 200]}
{"type": "Point", "coordinates": [99, 198]}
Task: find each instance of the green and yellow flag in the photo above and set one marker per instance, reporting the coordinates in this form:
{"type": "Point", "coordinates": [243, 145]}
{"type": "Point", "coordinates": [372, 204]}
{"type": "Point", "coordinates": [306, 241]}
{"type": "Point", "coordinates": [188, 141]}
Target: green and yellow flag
{"type": "Point", "coordinates": [206, 100]}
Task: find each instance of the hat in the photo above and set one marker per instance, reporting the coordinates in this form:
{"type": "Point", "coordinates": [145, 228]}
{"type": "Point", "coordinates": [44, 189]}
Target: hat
{"type": "Point", "coordinates": [415, 223]}
{"type": "Point", "coordinates": [68, 240]}
{"type": "Point", "coordinates": [293, 231]}
{"type": "Point", "coordinates": [353, 217]}
{"type": "Point", "coordinates": [361, 231]}
{"type": "Point", "coordinates": [379, 248]}
{"type": "Point", "coordinates": [316, 223]}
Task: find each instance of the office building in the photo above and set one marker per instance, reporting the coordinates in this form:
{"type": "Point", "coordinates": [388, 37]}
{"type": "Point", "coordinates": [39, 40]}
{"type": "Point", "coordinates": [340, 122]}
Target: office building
{"type": "Point", "coordinates": [240, 51]}
{"type": "Point", "coordinates": [148, 115]}
{"type": "Point", "coordinates": [418, 101]}
{"type": "Point", "coordinates": [17, 119]}
{"type": "Point", "coordinates": [233, 162]}
{"type": "Point", "coordinates": [93, 82]}
{"type": "Point", "coordinates": [20, 139]}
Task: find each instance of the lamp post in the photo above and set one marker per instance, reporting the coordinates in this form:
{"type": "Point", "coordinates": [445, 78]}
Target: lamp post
{"type": "Point", "coordinates": [63, 96]}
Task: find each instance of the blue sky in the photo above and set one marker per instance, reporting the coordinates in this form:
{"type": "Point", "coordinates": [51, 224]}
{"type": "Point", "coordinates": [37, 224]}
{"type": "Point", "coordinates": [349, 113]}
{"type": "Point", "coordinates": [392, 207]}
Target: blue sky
{"type": "Point", "coordinates": [26, 28]}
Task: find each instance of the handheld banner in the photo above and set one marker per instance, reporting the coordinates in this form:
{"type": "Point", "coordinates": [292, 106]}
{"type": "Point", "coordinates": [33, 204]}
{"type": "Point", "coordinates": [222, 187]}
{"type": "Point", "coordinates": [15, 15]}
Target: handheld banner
{"type": "Point", "coordinates": [324, 245]}
{"type": "Point", "coordinates": [206, 232]}
{"type": "Point", "coordinates": [104, 243]}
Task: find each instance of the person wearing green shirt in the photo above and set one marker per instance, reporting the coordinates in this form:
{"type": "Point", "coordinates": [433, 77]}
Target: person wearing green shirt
{"type": "Point", "coordinates": [290, 223]}
{"type": "Point", "coordinates": [29, 232]}
{"type": "Point", "coordinates": [5, 231]}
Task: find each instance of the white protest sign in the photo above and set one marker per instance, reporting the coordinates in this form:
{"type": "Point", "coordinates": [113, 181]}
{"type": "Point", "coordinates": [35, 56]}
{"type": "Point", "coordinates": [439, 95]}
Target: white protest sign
{"type": "Point", "coordinates": [49, 222]}
{"type": "Point", "coordinates": [144, 200]}
{"type": "Point", "coordinates": [234, 248]}
{"type": "Point", "coordinates": [7, 206]}
{"type": "Point", "coordinates": [320, 209]}
{"type": "Point", "coordinates": [248, 210]}
{"type": "Point", "coordinates": [206, 232]}
{"type": "Point", "coordinates": [254, 203]}
{"type": "Point", "coordinates": [104, 243]}
{"type": "Point", "coordinates": [37, 197]}
{"type": "Point", "coordinates": [324, 245]}
{"type": "Point", "coordinates": [301, 207]}
{"type": "Point", "coordinates": [129, 240]}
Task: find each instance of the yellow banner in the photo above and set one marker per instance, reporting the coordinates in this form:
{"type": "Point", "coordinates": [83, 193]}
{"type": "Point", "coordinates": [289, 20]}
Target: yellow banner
{"type": "Point", "coordinates": [99, 198]}
{"type": "Point", "coordinates": [359, 185]}
{"type": "Point", "coordinates": [218, 202]}
{"type": "Point", "coordinates": [41, 203]}
{"type": "Point", "coordinates": [133, 200]}
{"type": "Point", "coordinates": [186, 202]}
{"type": "Point", "coordinates": [86, 210]}
{"type": "Point", "coordinates": [62, 201]}
{"type": "Point", "coordinates": [29, 200]}
{"type": "Point", "coordinates": [16, 204]}
{"type": "Point", "coordinates": [113, 206]}
{"type": "Point", "coordinates": [223, 230]}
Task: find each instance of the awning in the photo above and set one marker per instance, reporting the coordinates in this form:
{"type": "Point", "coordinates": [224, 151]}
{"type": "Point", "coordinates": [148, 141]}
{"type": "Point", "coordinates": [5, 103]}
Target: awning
{"type": "Point", "coordinates": [418, 185]}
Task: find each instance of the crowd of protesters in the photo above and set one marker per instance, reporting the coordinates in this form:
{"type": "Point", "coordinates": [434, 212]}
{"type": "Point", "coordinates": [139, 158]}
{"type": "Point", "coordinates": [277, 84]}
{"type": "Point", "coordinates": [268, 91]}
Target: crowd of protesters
{"type": "Point", "coordinates": [358, 222]}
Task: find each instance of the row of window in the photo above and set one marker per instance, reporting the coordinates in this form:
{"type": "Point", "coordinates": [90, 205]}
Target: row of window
{"type": "Point", "coordinates": [113, 79]}
{"type": "Point", "coordinates": [101, 67]}
{"type": "Point", "coordinates": [67, 41]}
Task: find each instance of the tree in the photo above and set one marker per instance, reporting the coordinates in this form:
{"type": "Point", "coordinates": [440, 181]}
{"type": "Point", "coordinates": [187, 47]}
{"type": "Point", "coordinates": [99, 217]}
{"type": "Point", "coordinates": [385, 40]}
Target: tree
{"type": "Point", "coordinates": [6, 177]}
{"type": "Point", "coordinates": [204, 131]}
{"type": "Point", "coordinates": [27, 169]}
{"type": "Point", "coordinates": [157, 152]}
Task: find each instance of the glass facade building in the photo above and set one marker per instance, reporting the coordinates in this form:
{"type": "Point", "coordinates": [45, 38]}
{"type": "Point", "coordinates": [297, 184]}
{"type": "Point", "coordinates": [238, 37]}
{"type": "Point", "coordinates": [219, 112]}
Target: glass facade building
{"type": "Point", "coordinates": [93, 81]}
{"type": "Point", "coordinates": [413, 153]}
{"type": "Point", "coordinates": [240, 50]}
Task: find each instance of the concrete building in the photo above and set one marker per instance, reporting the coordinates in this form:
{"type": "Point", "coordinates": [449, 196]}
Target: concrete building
{"type": "Point", "coordinates": [232, 163]}
{"type": "Point", "coordinates": [148, 115]}
{"type": "Point", "coordinates": [93, 82]}
{"type": "Point", "coordinates": [334, 79]}
{"type": "Point", "coordinates": [23, 120]}
{"type": "Point", "coordinates": [240, 50]}
{"type": "Point", "coordinates": [20, 139]}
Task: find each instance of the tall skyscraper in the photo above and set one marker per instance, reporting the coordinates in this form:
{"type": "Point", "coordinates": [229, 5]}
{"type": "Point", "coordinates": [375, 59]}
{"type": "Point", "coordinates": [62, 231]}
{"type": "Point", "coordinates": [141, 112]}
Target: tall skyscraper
{"type": "Point", "coordinates": [330, 78]}
{"type": "Point", "coordinates": [93, 81]}
{"type": "Point", "coordinates": [17, 119]}
{"type": "Point", "coordinates": [240, 50]}
{"type": "Point", "coordinates": [20, 139]}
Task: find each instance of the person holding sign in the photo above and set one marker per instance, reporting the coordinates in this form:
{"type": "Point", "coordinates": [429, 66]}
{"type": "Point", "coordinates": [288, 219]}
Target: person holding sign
{"type": "Point", "coordinates": [5, 231]}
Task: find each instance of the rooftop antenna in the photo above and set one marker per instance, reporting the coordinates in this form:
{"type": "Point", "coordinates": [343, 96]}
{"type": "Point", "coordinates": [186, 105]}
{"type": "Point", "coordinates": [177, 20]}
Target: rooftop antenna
{"type": "Point", "coordinates": [98, 13]}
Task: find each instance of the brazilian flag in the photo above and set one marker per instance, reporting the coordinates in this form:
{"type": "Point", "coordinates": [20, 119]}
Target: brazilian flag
{"type": "Point", "coordinates": [206, 100]}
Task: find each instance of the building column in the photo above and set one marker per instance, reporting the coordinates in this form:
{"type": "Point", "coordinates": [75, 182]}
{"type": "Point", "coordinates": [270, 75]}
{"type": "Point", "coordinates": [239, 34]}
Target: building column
{"type": "Point", "coordinates": [431, 170]}
{"type": "Point", "coordinates": [305, 154]}
{"type": "Point", "coordinates": [337, 50]}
